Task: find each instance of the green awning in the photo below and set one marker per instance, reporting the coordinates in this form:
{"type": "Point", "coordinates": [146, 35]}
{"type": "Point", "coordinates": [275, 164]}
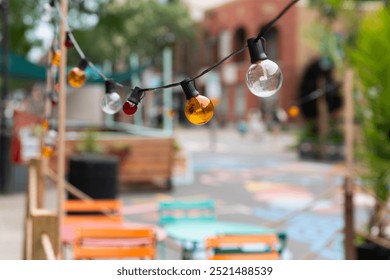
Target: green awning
{"type": "Point", "coordinates": [21, 68]}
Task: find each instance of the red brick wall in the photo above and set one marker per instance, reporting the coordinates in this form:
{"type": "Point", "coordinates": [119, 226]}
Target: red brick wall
{"type": "Point", "coordinates": [252, 15]}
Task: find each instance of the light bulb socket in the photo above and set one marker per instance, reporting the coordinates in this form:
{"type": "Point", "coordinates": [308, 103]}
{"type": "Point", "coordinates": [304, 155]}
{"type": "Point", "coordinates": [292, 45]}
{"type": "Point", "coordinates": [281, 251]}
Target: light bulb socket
{"type": "Point", "coordinates": [135, 96]}
{"type": "Point", "coordinates": [256, 50]}
{"type": "Point", "coordinates": [189, 88]}
{"type": "Point", "coordinates": [83, 64]}
{"type": "Point", "coordinates": [110, 86]}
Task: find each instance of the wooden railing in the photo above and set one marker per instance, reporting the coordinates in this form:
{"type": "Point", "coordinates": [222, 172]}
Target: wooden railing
{"type": "Point", "coordinates": [41, 225]}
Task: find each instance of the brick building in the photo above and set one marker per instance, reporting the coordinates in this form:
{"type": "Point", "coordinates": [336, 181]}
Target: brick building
{"type": "Point", "coordinates": [226, 28]}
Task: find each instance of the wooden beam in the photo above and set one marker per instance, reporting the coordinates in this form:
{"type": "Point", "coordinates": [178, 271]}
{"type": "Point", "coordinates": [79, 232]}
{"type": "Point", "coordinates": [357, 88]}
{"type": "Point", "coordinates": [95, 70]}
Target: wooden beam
{"type": "Point", "coordinates": [61, 120]}
{"type": "Point", "coordinates": [47, 247]}
{"type": "Point", "coordinates": [43, 222]}
{"type": "Point", "coordinates": [349, 230]}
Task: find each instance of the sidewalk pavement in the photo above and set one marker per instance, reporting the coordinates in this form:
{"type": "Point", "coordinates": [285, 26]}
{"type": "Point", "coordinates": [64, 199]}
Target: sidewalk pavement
{"type": "Point", "coordinates": [252, 180]}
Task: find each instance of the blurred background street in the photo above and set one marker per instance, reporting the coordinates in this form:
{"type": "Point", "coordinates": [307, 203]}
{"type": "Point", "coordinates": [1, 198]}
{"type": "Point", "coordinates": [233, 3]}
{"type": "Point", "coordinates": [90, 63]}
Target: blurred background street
{"type": "Point", "coordinates": [259, 181]}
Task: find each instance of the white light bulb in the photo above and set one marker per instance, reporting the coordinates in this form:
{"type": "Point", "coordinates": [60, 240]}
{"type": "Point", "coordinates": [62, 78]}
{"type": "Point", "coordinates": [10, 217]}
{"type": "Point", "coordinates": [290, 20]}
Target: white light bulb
{"type": "Point", "coordinates": [264, 78]}
{"type": "Point", "coordinates": [111, 103]}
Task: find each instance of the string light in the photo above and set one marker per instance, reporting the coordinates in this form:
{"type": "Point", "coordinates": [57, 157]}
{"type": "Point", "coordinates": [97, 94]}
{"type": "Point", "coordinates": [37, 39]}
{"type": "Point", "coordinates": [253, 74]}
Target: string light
{"type": "Point", "coordinates": [56, 58]}
{"type": "Point", "coordinates": [49, 143]}
{"type": "Point", "coordinates": [68, 41]}
{"type": "Point", "coordinates": [131, 105]}
{"type": "Point", "coordinates": [199, 109]}
{"type": "Point", "coordinates": [111, 102]}
{"type": "Point", "coordinates": [264, 77]}
{"type": "Point", "coordinates": [293, 111]}
{"type": "Point", "coordinates": [76, 76]}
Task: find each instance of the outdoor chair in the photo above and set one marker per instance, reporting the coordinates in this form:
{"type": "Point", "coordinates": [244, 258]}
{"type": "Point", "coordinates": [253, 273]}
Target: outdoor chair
{"type": "Point", "coordinates": [97, 210]}
{"type": "Point", "coordinates": [186, 211]}
{"type": "Point", "coordinates": [180, 210]}
{"type": "Point", "coordinates": [243, 247]}
{"type": "Point", "coordinates": [114, 243]}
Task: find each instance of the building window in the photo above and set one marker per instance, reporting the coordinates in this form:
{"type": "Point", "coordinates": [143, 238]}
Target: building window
{"type": "Point", "coordinates": [224, 44]}
{"type": "Point", "coordinates": [239, 42]}
{"type": "Point", "coordinates": [240, 103]}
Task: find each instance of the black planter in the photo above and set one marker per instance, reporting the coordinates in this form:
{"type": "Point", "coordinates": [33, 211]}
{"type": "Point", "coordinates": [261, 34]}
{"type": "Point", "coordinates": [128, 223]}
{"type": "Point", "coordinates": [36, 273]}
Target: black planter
{"type": "Point", "coordinates": [372, 251]}
{"type": "Point", "coordinates": [95, 175]}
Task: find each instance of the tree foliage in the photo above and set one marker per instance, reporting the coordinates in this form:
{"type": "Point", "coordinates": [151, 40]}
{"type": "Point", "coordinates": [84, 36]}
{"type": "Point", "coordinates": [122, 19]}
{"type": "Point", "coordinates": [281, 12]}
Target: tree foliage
{"type": "Point", "coordinates": [142, 27]}
{"type": "Point", "coordinates": [370, 58]}
{"type": "Point", "coordinates": [105, 29]}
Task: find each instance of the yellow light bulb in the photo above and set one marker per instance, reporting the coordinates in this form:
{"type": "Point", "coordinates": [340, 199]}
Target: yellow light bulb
{"type": "Point", "coordinates": [76, 77]}
{"type": "Point", "coordinates": [47, 151]}
{"type": "Point", "coordinates": [45, 125]}
{"type": "Point", "coordinates": [293, 111]}
{"type": "Point", "coordinates": [56, 58]}
{"type": "Point", "coordinates": [199, 110]}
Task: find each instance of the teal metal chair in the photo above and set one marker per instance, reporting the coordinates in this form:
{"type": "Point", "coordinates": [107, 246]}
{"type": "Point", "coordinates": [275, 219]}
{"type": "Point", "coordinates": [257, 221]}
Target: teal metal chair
{"type": "Point", "coordinates": [174, 211]}
{"type": "Point", "coordinates": [180, 210]}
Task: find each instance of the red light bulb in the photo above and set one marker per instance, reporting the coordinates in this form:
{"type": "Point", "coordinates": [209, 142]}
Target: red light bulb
{"type": "Point", "coordinates": [68, 42]}
{"type": "Point", "coordinates": [129, 108]}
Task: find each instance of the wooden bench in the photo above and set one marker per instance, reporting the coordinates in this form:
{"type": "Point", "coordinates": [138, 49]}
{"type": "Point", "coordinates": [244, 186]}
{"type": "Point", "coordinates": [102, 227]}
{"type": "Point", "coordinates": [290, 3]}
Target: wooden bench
{"type": "Point", "coordinates": [150, 159]}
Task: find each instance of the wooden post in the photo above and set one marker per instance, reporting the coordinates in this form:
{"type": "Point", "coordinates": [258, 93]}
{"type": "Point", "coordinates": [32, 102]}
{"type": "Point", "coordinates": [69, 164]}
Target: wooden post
{"type": "Point", "coordinates": [44, 222]}
{"type": "Point", "coordinates": [61, 122]}
{"type": "Point", "coordinates": [349, 231]}
{"type": "Point", "coordinates": [323, 117]}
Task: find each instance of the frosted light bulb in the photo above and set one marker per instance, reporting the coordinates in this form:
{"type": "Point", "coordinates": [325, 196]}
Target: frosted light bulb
{"type": "Point", "coordinates": [199, 109]}
{"type": "Point", "coordinates": [130, 106]}
{"type": "Point", "coordinates": [264, 77]}
{"type": "Point", "coordinates": [76, 76]}
{"type": "Point", "coordinates": [111, 102]}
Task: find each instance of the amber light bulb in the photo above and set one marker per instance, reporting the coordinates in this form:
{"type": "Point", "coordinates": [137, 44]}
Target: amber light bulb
{"type": "Point", "coordinates": [45, 125]}
{"type": "Point", "coordinates": [47, 151]}
{"type": "Point", "coordinates": [49, 143]}
{"type": "Point", "coordinates": [56, 58]}
{"type": "Point", "coordinates": [76, 76]}
{"type": "Point", "coordinates": [199, 109]}
{"type": "Point", "coordinates": [131, 104]}
{"type": "Point", "coordinates": [293, 111]}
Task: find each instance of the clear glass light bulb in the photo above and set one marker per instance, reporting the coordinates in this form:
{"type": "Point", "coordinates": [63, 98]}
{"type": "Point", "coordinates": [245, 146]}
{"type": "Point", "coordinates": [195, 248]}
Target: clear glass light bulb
{"type": "Point", "coordinates": [264, 78]}
{"type": "Point", "coordinates": [199, 110]}
{"type": "Point", "coordinates": [76, 77]}
{"type": "Point", "coordinates": [47, 12]}
{"type": "Point", "coordinates": [111, 103]}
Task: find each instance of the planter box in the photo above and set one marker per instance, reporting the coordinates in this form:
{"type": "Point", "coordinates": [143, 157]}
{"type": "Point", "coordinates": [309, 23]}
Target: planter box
{"type": "Point", "coordinates": [372, 251]}
{"type": "Point", "coordinates": [150, 161]}
{"type": "Point", "coordinates": [312, 151]}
